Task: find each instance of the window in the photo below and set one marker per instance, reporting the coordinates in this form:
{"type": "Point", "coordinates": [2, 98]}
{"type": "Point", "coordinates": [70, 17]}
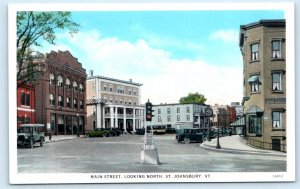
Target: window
{"type": "Point", "coordinates": [158, 111]}
{"type": "Point", "coordinates": [105, 99]}
{"type": "Point", "coordinates": [68, 83]}
{"type": "Point", "coordinates": [120, 89]}
{"type": "Point", "coordinates": [60, 101]}
{"type": "Point", "coordinates": [81, 104]}
{"type": "Point", "coordinates": [60, 81]}
{"type": "Point", "coordinates": [75, 103]}
{"type": "Point", "coordinates": [178, 110]}
{"type": "Point", "coordinates": [27, 120]}
{"type": "Point", "coordinates": [254, 83]}
{"type": "Point", "coordinates": [130, 102]}
{"type": "Point", "coordinates": [277, 120]}
{"type": "Point", "coordinates": [158, 118]}
{"type": "Point", "coordinates": [168, 111]}
{"type": "Point", "coordinates": [188, 117]}
{"type": "Point", "coordinates": [121, 101]}
{"type": "Point", "coordinates": [25, 99]}
{"type": "Point", "coordinates": [134, 102]}
{"type": "Point", "coordinates": [51, 100]}
{"type": "Point", "coordinates": [104, 86]}
{"type": "Point", "coordinates": [80, 88]}
{"type": "Point", "coordinates": [169, 118]}
{"type": "Point", "coordinates": [178, 118]}
{"type": "Point", "coordinates": [111, 99]}
{"type": "Point", "coordinates": [187, 109]}
{"type": "Point", "coordinates": [52, 80]}
{"type": "Point", "coordinates": [68, 102]}
{"type": "Point", "coordinates": [134, 92]}
{"type": "Point", "coordinates": [75, 87]}
{"type": "Point", "coordinates": [254, 52]}
{"type": "Point", "coordinates": [129, 91]}
{"type": "Point", "coordinates": [255, 126]}
{"type": "Point", "coordinates": [110, 88]}
{"type": "Point", "coordinates": [276, 49]}
{"type": "Point", "coordinates": [276, 81]}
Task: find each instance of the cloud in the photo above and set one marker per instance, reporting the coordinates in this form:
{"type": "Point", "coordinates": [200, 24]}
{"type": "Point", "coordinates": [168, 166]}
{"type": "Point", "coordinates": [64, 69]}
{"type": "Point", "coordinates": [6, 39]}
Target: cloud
{"type": "Point", "coordinates": [164, 79]}
{"type": "Point", "coordinates": [228, 36]}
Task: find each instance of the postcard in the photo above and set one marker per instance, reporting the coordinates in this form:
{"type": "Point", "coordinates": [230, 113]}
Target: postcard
{"type": "Point", "coordinates": [151, 93]}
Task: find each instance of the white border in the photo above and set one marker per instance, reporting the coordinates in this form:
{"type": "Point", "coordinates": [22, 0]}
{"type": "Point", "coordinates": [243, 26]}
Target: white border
{"type": "Point", "coordinates": [15, 178]}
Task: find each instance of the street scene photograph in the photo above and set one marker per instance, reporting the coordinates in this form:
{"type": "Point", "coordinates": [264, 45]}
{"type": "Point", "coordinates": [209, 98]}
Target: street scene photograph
{"type": "Point", "coordinates": [114, 94]}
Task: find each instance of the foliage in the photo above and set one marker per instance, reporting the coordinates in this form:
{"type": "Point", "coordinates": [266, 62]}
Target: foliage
{"type": "Point", "coordinates": [32, 27]}
{"type": "Point", "coordinates": [193, 98]}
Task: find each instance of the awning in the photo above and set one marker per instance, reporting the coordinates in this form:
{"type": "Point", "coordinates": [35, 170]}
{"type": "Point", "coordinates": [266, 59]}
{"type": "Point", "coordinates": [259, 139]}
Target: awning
{"type": "Point", "coordinates": [254, 110]}
{"type": "Point", "coordinates": [240, 122]}
{"type": "Point", "coordinates": [253, 78]}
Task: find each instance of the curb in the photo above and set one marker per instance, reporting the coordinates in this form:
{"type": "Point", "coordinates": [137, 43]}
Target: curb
{"type": "Point", "coordinates": [59, 140]}
{"type": "Point", "coordinates": [235, 151]}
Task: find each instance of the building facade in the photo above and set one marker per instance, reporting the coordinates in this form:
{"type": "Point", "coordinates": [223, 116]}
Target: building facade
{"type": "Point", "coordinates": [61, 94]}
{"type": "Point", "coordinates": [173, 115]}
{"type": "Point", "coordinates": [25, 104]}
{"type": "Point", "coordinates": [263, 47]}
{"type": "Point", "coordinates": [114, 103]}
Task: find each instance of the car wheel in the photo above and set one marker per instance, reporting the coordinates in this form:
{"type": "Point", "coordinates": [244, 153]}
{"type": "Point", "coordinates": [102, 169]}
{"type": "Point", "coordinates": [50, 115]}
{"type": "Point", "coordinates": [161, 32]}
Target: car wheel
{"type": "Point", "coordinates": [41, 142]}
{"type": "Point", "coordinates": [186, 140]}
{"type": "Point", "coordinates": [31, 143]}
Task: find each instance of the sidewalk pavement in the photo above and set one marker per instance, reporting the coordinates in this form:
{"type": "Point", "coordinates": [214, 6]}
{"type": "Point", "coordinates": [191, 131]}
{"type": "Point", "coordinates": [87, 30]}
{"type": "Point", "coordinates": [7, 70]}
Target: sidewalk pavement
{"type": "Point", "coordinates": [57, 138]}
{"type": "Point", "coordinates": [238, 145]}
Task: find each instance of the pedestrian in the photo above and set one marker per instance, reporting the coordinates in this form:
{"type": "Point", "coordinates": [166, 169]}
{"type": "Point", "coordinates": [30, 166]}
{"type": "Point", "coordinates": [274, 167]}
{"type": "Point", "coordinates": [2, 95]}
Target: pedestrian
{"type": "Point", "coordinates": [50, 137]}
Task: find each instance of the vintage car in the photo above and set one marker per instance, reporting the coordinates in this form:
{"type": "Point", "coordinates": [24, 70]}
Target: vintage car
{"type": "Point", "coordinates": [30, 134]}
{"type": "Point", "coordinates": [189, 135]}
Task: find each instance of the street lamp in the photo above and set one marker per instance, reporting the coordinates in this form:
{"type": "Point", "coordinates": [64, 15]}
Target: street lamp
{"type": "Point", "coordinates": [77, 125]}
{"type": "Point", "coordinates": [218, 132]}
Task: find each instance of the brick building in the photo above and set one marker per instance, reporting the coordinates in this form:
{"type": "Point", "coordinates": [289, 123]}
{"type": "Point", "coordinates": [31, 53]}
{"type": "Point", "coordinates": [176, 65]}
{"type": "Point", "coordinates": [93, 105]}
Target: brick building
{"type": "Point", "coordinates": [60, 94]}
{"type": "Point", "coordinates": [25, 104]}
{"type": "Point", "coordinates": [262, 46]}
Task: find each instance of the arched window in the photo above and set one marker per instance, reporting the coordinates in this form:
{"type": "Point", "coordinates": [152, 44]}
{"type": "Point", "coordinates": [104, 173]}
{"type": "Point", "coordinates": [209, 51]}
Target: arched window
{"type": "Point", "coordinates": [51, 99]}
{"type": "Point", "coordinates": [60, 101]}
{"type": "Point", "coordinates": [60, 81]}
{"type": "Point", "coordinates": [68, 102]}
{"type": "Point", "coordinates": [75, 86]}
{"type": "Point", "coordinates": [75, 103]}
{"type": "Point", "coordinates": [52, 79]}
{"type": "Point", "coordinates": [80, 87]}
{"type": "Point", "coordinates": [68, 83]}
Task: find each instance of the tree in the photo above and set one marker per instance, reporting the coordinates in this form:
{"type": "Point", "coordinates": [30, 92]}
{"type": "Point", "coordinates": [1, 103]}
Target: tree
{"type": "Point", "coordinates": [193, 98]}
{"type": "Point", "coordinates": [32, 27]}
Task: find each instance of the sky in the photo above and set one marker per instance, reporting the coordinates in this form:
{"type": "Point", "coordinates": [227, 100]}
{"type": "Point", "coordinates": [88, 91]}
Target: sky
{"type": "Point", "coordinates": [172, 53]}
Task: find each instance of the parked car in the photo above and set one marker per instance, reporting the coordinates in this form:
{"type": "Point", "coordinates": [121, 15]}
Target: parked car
{"type": "Point", "coordinates": [170, 130]}
{"type": "Point", "coordinates": [140, 131]}
{"type": "Point", "coordinates": [97, 133]}
{"type": "Point", "coordinates": [189, 135]}
{"type": "Point", "coordinates": [30, 134]}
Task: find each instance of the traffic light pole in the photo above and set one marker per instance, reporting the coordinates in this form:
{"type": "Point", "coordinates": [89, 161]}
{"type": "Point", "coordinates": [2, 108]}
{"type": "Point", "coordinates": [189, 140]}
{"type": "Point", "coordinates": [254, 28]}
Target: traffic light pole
{"type": "Point", "coordinates": [149, 155]}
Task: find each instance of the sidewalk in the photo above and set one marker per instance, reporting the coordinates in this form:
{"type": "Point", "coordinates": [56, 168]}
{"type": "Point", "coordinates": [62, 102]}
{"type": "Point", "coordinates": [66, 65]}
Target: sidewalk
{"type": "Point", "coordinates": [236, 144]}
{"type": "Point", "coordinates": [57, 138]}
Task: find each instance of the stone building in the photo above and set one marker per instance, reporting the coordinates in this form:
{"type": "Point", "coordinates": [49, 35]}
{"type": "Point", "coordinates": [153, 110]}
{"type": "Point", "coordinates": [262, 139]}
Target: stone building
{"type": "Point", "coordinates": [263, 47]}
{"type": "Point", "coordinates": [60, 95]}
{"type": "Point", "coordinates": [114, 103]}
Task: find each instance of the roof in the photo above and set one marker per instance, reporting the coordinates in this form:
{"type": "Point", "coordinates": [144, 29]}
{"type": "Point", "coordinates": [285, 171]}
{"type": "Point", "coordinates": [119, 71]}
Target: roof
{"type": "Point", "coordinates": [254, 110]}
{"type": "Point", "coordinates": [176, 104]}
{"type": "Point", "coordinates": [270, 23]}
{"type": "Point", "coordinates": [116, 80]}
{"type": "Point", "coordinates": [240, 122]}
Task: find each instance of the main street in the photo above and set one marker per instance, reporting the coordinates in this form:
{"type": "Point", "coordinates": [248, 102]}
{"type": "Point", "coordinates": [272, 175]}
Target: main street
{"type": "Point", "coordinates": [122, 155]}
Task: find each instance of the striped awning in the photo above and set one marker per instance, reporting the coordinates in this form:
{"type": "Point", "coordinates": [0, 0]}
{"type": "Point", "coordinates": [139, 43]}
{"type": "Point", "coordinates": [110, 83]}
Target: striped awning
{"type": "Point", "coordinates": [240, 122]}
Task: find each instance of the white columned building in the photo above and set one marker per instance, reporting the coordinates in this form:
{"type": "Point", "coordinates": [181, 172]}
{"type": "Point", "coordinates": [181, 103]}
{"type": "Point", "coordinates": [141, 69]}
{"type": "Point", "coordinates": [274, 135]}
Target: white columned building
{"type": "Point", "coordinates": [114, 103]}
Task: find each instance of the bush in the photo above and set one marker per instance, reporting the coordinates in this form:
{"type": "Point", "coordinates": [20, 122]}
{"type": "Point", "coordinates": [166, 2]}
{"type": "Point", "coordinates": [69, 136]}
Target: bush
{"type": "Point", "coordinates": [97, 133]}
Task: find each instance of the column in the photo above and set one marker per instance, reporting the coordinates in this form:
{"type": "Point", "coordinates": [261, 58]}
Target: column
{"type": "Point", "coordinates": [124, 119]}
{"type": "Point", "coordinates": [134, 120]}
{"type": "Point", "coordinates": [111, 116]}
{"type": "Point", "coordinates": [98, 115]}
{"type": "Point", "coordinates": [103, 117]}
{"type": "Point", "coordinates": [116, 117]}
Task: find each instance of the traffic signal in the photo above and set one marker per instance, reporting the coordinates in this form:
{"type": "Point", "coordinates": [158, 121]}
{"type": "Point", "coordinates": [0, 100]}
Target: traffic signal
{"type": "Point", "coordinates": [149, 111]}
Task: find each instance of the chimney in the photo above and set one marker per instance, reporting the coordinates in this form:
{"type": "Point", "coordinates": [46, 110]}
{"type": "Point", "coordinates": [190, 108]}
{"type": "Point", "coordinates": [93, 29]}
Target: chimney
{"type": "Point", "coordinates": [91, 73]}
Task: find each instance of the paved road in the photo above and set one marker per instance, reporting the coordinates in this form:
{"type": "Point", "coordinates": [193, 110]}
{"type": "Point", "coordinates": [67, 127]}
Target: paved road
{"type": "Point", "coordinates": [122, 155]}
